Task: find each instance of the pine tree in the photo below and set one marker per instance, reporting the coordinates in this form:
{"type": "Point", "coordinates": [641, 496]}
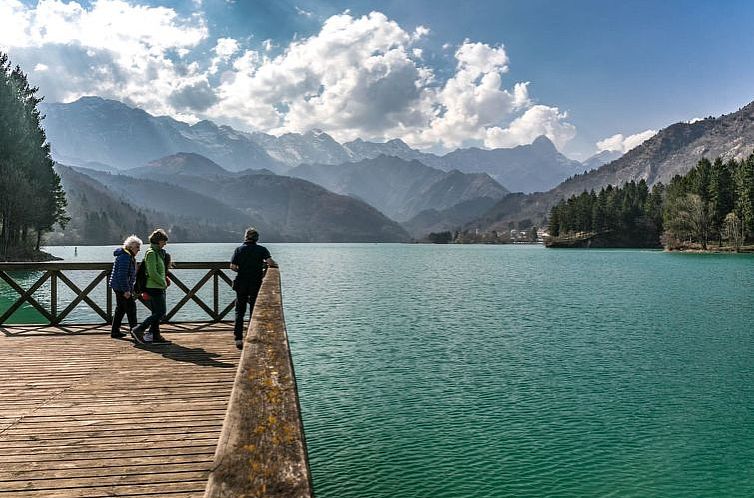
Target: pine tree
{"type": "Point", "coordinates": [744, 192]}
{"type": "Point", "coordinates": [31, 197]}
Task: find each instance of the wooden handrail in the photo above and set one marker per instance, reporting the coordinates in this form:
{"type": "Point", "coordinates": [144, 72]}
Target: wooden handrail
{"type": "Point", "coordinates": [262, 448]}
{"type": "Point", "coordinates": [53, 270]}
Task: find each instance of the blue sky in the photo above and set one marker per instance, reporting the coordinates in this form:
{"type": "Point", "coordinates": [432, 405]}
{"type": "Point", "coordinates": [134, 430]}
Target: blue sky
{"type": "Point", "coordinates": [594, 69]}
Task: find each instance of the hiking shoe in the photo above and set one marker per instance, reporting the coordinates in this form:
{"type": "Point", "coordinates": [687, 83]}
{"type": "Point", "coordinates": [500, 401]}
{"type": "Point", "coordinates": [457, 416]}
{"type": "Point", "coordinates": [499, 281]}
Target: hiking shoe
{"type": "Point", "coordinates": [117, 335]}
{"type": "Point", "coordinates": [137, 335]}
{"type": "Point", "coordinates": [239, 343]}
{"type": "Point", "coordinates": [159, 339]}
{"type": "Point", "coordinates": [148, 338]}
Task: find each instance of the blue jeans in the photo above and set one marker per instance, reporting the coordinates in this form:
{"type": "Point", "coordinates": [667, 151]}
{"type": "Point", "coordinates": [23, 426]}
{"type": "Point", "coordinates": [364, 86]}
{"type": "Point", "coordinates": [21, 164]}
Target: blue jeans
{"type": "Point", "coordinates": [158, 307]}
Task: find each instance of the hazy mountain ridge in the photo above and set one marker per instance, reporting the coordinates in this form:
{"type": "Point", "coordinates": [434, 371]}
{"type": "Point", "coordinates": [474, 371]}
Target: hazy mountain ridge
{"type": "Point", "coordinates": [399, 188]}
{"type": "Point", "coordinates": [284, 208]}
{"type": "Point", "coordinates": [452, 218]}
{"type": "Point", "coordinates": [528, 168]}
{"type": "Point", "coordinates": [100, 216]}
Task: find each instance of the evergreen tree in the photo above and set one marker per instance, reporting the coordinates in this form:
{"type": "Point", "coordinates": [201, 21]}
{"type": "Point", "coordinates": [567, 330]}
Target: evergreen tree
{"type": "Point", "coordinates": [31, 197]}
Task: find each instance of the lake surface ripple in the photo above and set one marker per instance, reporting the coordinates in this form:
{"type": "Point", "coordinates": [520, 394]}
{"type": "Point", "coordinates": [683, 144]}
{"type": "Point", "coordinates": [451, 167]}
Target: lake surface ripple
{"type": "Point", "coordinates": [453, 371]}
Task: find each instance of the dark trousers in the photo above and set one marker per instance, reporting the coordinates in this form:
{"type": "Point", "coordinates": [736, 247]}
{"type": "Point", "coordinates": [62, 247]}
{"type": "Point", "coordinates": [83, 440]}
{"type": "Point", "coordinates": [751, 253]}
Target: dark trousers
{"type": "Point", "coordinates": [244, 296]}
{"type": "Point", "coordinates": [158, 308]}
{"type": "Point", "coordinates": [123, 307]}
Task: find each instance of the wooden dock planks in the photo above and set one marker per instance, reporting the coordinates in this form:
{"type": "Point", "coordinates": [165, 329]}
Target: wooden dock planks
{"type": "Point", "coordinates": [84, 415]}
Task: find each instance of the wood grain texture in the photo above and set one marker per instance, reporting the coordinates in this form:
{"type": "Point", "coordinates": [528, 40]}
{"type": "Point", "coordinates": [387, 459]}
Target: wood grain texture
{"type": "Point", "coordinates": [84, 415]}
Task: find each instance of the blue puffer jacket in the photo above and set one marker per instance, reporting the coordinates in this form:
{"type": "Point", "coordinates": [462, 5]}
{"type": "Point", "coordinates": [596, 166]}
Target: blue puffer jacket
{"type": "Point", "coordinates": [123, 276]}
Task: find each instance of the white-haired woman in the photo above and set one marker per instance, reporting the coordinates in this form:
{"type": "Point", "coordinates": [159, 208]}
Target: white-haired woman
{"type": "Point", "coordinates": [122, 279]}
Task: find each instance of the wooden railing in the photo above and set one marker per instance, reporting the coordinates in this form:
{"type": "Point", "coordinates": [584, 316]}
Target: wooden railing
{"type": "Point", "coordinates": [59, 273]}
{"type": "Point", "coordinates": [262, 448]}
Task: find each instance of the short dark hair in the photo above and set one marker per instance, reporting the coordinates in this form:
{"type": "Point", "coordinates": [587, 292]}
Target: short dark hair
{"type": "Point", "coordinates": [158, 235]}
{"type": "Point", "coordinates": [251, 234]}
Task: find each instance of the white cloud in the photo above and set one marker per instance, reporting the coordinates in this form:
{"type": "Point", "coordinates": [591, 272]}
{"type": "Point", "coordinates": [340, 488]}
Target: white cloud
{"type": "Point", "coordinates": [303, 12]}
{"type": "Point", "coordinates": [620, 143]}
{"type": "Point", "coordinates": [112, 48]}
{"type": "Point", "coordinates": [472, 105]}
{"type": "Point", "coordinates": [223, 50]}
{"type": "Point", "coordinates": [419, 33]}
{"type": "Point", "coordinates": [226, 47]}
{"type": "Point", "coordinates": [536, 121]}
{"type": "Point", "coordinates": [357, 77]}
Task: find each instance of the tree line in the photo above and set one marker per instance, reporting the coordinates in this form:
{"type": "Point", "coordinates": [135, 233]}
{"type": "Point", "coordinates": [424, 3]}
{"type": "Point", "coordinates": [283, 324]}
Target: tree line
{"type": "Point", "coordinates": [714, 202]}
{"type": "Point", "coordinates": [32, 199]}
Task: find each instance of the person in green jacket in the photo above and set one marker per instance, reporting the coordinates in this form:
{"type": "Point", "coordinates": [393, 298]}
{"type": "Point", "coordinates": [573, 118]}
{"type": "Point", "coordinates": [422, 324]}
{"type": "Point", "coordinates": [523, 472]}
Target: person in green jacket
{"type": "Point", "coordinates": [157, 282]}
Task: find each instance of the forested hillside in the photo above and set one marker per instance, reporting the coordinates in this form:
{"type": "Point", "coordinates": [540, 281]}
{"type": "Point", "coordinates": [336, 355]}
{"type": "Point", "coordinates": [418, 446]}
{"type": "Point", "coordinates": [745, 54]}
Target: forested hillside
{"type": "Point", "coordinates": [712, 205]}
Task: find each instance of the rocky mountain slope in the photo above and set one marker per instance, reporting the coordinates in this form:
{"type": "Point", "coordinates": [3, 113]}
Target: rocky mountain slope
{"type": "Point", "coordinates": [674, 150]}
{"type": "Point", "coordinates": [94, 130]}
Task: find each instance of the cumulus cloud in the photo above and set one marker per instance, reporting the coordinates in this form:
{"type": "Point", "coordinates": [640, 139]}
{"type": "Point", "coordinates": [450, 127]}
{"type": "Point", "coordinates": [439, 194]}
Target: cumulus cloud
{"type": "Point", "coordinates": [355, 77]}
{"type": "Point", "coordinates": [112, 48]}
{"type": "Point", "coordinates": [536, 121]}
{"type": "Point", "coordinates": [474, 100]}
{"type": "Point", "coordinates": [364, 77]}
{"type": "Point", "coordinates": [223, 50]}
{"type": "Point", "coordinates": [620, 143]}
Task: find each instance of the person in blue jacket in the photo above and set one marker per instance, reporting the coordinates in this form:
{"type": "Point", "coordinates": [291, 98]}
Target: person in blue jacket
{"type": "Point", "coordinates": [122, 279]}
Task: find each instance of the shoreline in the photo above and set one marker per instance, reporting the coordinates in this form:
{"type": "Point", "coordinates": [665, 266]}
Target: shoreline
{"type": "Point", "coordinates": [33, 257]}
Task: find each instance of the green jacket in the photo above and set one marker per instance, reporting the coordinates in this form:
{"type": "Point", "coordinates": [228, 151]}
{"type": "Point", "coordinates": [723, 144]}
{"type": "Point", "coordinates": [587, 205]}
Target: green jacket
{"type": "Point", "coordinates": [155, 261]}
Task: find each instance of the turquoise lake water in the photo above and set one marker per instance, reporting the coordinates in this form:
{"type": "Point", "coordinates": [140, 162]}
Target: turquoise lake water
{"type": "Point", "coordinates": [485, 371]}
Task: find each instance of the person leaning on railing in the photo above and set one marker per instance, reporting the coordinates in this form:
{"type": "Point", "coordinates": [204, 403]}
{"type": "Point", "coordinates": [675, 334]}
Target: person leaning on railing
{"type": "Point", "coordinates": [249, 261]}
{"type": "Point", "coordinates": [122, 279]}
{"type": "Point", "coordinates": [156, 268]}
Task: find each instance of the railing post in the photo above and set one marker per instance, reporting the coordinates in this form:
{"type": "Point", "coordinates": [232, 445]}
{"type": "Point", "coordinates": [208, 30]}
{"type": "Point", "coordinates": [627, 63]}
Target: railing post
{"type": "Point", "coordinates": [54, 296]}
{"type": "Point", "coordinates": [109, 299]}
{"type": "Point", "coordinates": [216, 294]}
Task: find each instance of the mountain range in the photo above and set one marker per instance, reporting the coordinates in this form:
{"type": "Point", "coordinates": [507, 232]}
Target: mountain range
{"type": "Point", "coordinates": [105, 134]}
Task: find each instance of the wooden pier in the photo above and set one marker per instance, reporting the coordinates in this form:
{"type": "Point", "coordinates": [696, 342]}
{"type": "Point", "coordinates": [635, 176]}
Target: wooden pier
{"type": "Point", "coordinates": [84, 415]}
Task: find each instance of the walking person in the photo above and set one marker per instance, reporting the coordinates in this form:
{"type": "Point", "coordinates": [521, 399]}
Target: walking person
{"type": "Point", "coordinates": [249, 261]}
{"type": "Point", "coordinates": [122, 279]}
{"type": "Point", "coordinates": [148, 331]}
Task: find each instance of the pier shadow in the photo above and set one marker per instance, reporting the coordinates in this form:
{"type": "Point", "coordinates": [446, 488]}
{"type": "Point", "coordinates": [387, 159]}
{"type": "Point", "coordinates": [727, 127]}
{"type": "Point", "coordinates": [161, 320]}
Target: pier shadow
{"type": "Point", "coordinates": [176, 352]}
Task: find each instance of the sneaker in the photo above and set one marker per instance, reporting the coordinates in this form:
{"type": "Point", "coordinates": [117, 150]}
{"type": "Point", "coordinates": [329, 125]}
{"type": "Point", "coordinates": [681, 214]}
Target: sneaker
{"type": "Point", "coordinates": [117, 335]}
{"type": "Point", "coordinates": [136, 334]}
{"type": "Point", "coordinates": [148, 338]}
{"type": "Point", "coordinates": [239, 343]}
{"type": "Point", "coordinates": [159, 339]}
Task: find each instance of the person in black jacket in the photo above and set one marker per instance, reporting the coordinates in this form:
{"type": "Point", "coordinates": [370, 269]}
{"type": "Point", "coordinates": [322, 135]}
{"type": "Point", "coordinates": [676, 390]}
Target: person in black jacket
{"type": "Point", "coordinates": [250, 261]}
{"type": "Point", "coordinates": [122, 279]}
